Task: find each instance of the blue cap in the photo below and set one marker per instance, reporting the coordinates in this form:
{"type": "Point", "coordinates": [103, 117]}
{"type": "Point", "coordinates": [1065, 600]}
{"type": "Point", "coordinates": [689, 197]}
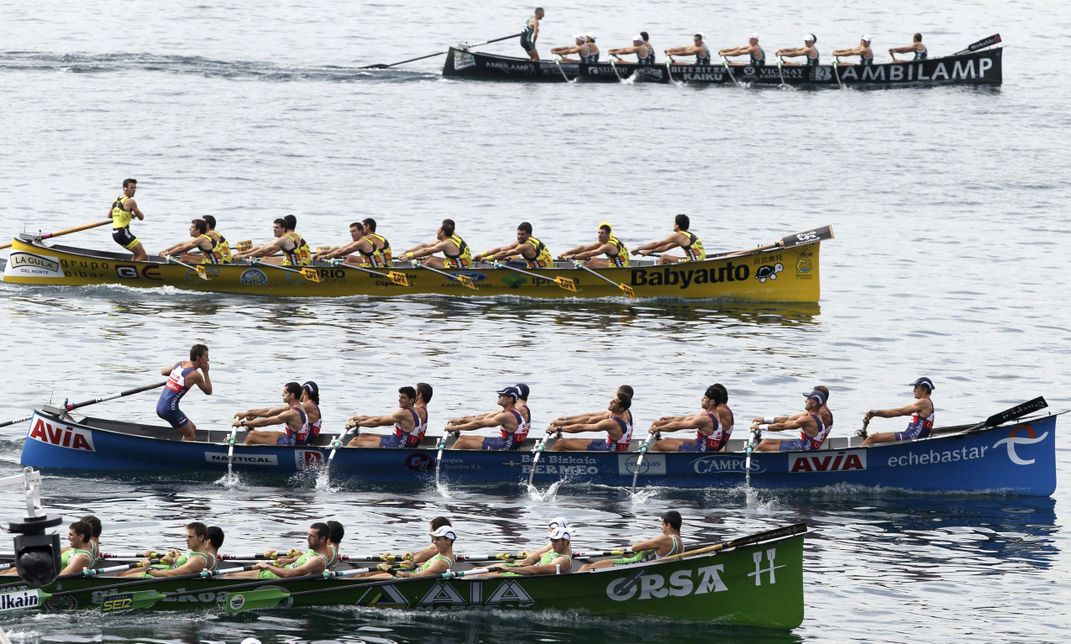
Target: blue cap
{"type": "Point", "coordinates": [522, 390]}
{"type": "Point", "coordinates": [817, 395]}
{"type": "Point", "coordinates": [509, 391]}
{"type": "Point", "coordinates": [924, 382]}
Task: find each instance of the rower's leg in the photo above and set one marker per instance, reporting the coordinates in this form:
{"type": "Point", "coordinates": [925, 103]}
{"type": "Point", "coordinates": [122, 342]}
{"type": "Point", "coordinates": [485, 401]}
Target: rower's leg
{"type": "Point", "coordinates": [597, 263]}
{"type": "Point", "coordinates": [883, 437]}
{"type": "Point", "coordinates": [469, 442]}
{"type": "Point", "coordinates": [139, 253]}
{"type": "Point", "coordinates": [768, 445]}
{"type": "Point", "coordinates": [188, 431]}
{"type": "Point", "coordinates": [434, 262]}
{"type": "Point", "coordinates": [366, 440]}
{"type": "Point", "coordinates": [669, 259]}
{"type": "Point", "coordinates": [256, 437]}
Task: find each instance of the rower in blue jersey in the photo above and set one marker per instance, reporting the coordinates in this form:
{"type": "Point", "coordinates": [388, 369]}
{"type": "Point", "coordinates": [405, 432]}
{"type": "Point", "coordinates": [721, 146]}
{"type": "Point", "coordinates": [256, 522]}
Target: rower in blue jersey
{"type": "Point", "coordinates": [299, 427]}
{"type": "Point", "coordinates": [698, 48]}
{"type": "Point", "coordinates": [863, 51]}
{"type": "Point", "coordinates": [579, 47]}
{"type": "Point", "coordinates": [617, 425]}
{"type": "Point", "coordinates": [410, 421]}
{"type": "Point", "coordinates": [916, 47]}
{"type": "Point", "coordinates": [681, 238]}
{"type": "Point", "coordinates": [530, 34]}
{"type": "Point", "coordinates": [921, 412]}
{"type": "Point", "coordinates": [814, 426]}
{"type": "Point", "coordinates": [757, 57]}
{"type": "Point", "coordinates": [181, 377]}
{"type": "Point", "coordinates": [713, 425]}
{"type": "Point", "coordinates": [645, 54]}
{"type": "Point", "coordinates": [808, 52]}
{"type": "Point", "coordinates": [513, 422]}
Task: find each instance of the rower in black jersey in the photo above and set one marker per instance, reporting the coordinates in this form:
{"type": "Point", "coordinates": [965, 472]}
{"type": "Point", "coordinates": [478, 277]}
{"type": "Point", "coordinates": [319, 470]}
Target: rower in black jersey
{"type": "Point", "coordinates": [808, 51]}
{"type": "Point", "coordinates": [863, 51]}
{"type": "Point", "coordinates": [916, 47]}
{"type": "Point", "coordinates": [757, 57]}
{"type": "Point", "coordinates": [645, 54]}
{"type": "Point", "coordinates": [698, 48]}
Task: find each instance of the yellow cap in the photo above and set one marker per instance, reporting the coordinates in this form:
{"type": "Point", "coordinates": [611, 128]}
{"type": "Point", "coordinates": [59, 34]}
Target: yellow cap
{"type": "Point", "coordinates": [605, 223]}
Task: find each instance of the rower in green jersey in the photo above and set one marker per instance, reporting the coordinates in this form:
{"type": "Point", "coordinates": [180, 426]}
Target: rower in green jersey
{"type": "Point", "coordinates": [556, 558]}
{"type": "Point", "coordinates": [808, 52]}
{"type": "Point", "coordinates": [681, 238]}
{"type": "Point", "coordinates": [698, 48]}
{"type": "Point", "coordinates": [530, 34]}
{"type": "Point", "coordinates": [608, 244]}
{"type": "Point", "coordinates": [442, 539]}
{"type": "Point", "coordinates": [645, 54]}
{"type": "Point", "coordinates": [916, 47]}
{"type": "Point", "coordinates": [122, 212]}
{"type": "Point", "coordinates": [202, 552]}
{"type": "Point", "coordinates": [664, 545]}
{"type": "Point", "coordinates": [80, 555]}
{"type": "Point", "coordinates": [863, 51]}
{"type": "Point", "coordinates": [528, 250]}
{"type": "Point", "coordinates": [313, 561]}
{"type": "Point", "coordinates": [334, 542]}
{"type": "Point", "coordinates": [201, 242]}
{"type": "Point", "coordinates": [454, 249]}
{"type": "Point", "coordinates": [756, 56]}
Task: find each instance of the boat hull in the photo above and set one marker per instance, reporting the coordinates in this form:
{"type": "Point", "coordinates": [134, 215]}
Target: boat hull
{"type": "Point", "coordinates": [781, 275]}
{"type": "Point", "coordinates": [979, 68]}
{"type": "Point", "coordinates": [1016, 458]}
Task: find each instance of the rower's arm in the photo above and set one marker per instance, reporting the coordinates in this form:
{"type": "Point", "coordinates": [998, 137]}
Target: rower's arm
{"type": "Point", "coordinates": [669, 424]}
{"type": "Point", "coordinates": [792, 51]}
{"type": "Point", "coordinates": [313, 566]}
{"type": "Point", "coordinates": [424, 555]}
{"type": "Point", "coordinates": [193, 566]}
{"type": "Point", "coordinates": [77, 564]}
{"type": "Point", "coordinates": [541, 569]}
{"type": "Point", "coordinates": [342, 251]}
{"type": "Point", "coordinates": [262, 412]}
{"type": "Point", "coordinates": [735, 51]}
{"type": "Point", "coordinates": [576, 428]}
{"type": "Point", "coordinates": [851, 51]}
{"type": "Point", "coordinates": [500, 252]}
{"type": "Point", "coordinates": [489, 420]}
{"type": "Point", "coordinates": [699, 421]}
{"type": "Point", "coordinates": [434, 570]}
{"type": "Point", "coordinates": [427, 250]}
{"type": "Point", "coordinates": [598, 249]}
{"type": "Point", "coordinates": [649, 544]}
{"type": "Point", "coordinates": [580, 249]}
{"type": "Point", "coordinates": [134, 210]}
{"type": "Point", "coordinates": [278, 419]}
{"type": "Point", "coordinates": [909, 49]}
{"type": "Point", "coordinates": [802, 421]}
{"type": "Point", "coordinates": [166, 371]}
{"type": "Point", "coordinates": [906, 410]}
{"type": "Point", "coordinates": [200, 378]}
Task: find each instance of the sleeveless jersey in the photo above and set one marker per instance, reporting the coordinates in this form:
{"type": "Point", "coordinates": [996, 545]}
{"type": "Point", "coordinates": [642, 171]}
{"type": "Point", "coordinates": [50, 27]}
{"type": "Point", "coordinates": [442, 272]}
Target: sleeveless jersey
{"type": "Point", "coordinates": [717, 438]}
{"type": "Point", "coordinates": [300, 255]}
{"type": "Point", "coordinates": [809, 443]}
{"type": "Point", "coordinates": [120, 217]}
{"type": "Point", "coordinates": [593, 54]}
{"type": "Point", "coordinates": [649, 58]}
{"type": "Point", "coordinates": [549, 556]}
{"type": "Point", "coordinates": [381, 253]}
{"type": "Point", "coordinates": [676, 549]}
{"type": "Point", "coordinates": [314, 430]}
{"type": "Point", "coordinates": [523, 426]}
{"type": "Point", "coordinates": [921, 55]}
{"type": "Point", "coordinates": [812, 62]}
{"type": "Point", "coordinates": [921, 427]}
{"type": "Point", "coordinates": [176, 386]}
{"type": "Point", "coordinates": [427, 564]}
{"type": "Point", "coordinates": [542, 255]}
{"type": "Point", "coordinates": [759, 62]}
{"type": "Point", "coordinates": [65, 558]}
{"type": "Point", "coordinates": [621, 444]}
{"type": "Point", "coordinates": [301, 436]}
{"type": "Point", "coordinates": [694, 251]}
{"type": "Point", "coordinates": [620, 260]}
{"type": "Point", "coordinates": [413, 438]}
{"type": "Point", "coordinates": [212, 255]}
{"type": "Point", "coordinates": [463, 259]}
{"type": "Point", "coordinates": [223, 246]}
{"type": "Point", "coordinates": [702, 57]}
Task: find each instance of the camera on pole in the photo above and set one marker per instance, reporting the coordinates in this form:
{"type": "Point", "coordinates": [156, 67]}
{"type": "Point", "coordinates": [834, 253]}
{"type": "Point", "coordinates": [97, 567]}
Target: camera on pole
{"type": "Point", "coordinates": [37, 554]}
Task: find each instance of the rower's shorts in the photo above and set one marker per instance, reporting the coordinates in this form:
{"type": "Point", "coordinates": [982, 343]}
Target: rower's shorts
{"type": "Point", "coordinates": [795, 446]}
{"type": "Point", "coordinates": [694, 446]}
{"type": "Point", "coordinates": [639, 557]}
{"type": "Point", "coordinates": [125, 238]}
{"type": "Point", "coordinates": [267, 574]}
{"type": "Point", "coordinates": [173, 415]}
{"type": "Point", "coordinates": [499, 444]}
{"type": "Point", "coordinates": [913, 434]}
{"type": "Point", "coordinates": [456, 262]}
{"type": "Point", "coordinates": [598, 446]}
{"type": "Point", "coordinates": [527, 44]}
{"type": "Point", "coordinates": [285, 440]}
{"type": "Point", "coordinates": [391, 440]}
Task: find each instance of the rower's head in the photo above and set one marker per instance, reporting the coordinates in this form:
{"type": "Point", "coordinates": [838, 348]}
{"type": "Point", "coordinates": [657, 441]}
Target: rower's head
{"type": "Point", "coordinates": [559, 540]}
{"type": "Point", "coordinates": [626, 389]}
{"type": "Point", "coordinates": [406, 397]}
{"type": "Point", "coordinates": [814, 400]}
{"type": "Point", "coordinates": [198, 227]}
{"type": "Point", "coordinates": [446, 229]}
{"type": "Point", "coordinates": [557, 523]}
{"type": "Point", "coordinates": [508, 397]}
{"type": "Point", "coordinates": [443, 538]}
{"type": "Point", "coordinates": [825, 391]}
{"type": "Point", "coordinates": [922, 387]}
{"type": "Point", "coordinates": [131, 185]}
{"type": "Point", "coordinates": [369, 224]}
{"type": "Point", "coordinates": [319, 534]}
{"type": "Point", "coordinates": [717, 394]}
{"type": "Point", "coordinates": [522, 391]}
{"type": "Point", "coordinates": [753, 39]}
{"type": "Point", "coordinates": [524, 231]}
{"type": "Point", "coordinates": [810, 40]}
{"type": "Point", "coordinates": [579, 39]}
{"type": "Point", "coordinates": [621, 403]}
{"type": "Point", "coordinates": [604, 231]}
{"type": "Point", "coordinates": [864, 40]}
{"type": "Point", "coordinates": [539, 13]}
{"type": "Point", "coordinates": [698, 38]}
{"type": "Point", "coordinates": [916, 38]}
{"type": "Point", "coordinates": [214, 533]}
{"type": "Point", "coordinates": [681, 223]}
{"type": "Point", "coordinates": [356, 230]}
{"type": "Point", "coordinates": [310, 391]}
{"type": "Point", "coordinates": [671, 519]}
{"type": "Point", "coordinates": [291, 393]}
{"type": "Point", "coordinates": [278, 227]}
{"type": "Point", "coordinates": [290, 222]}
{"type": "Point", "coordinates": [637, 39]}
{"type": "Point", "coordinates": [94, 523]}
{"type": "Point", "coordinates": [424, 392]}
{"type": "Point", "coordinates": [210, 220]}
{"type": "Point", "coordinates": [196, 535]}
{"type": "Point", "coordinates": [79, 534]}
{"type": "Point", "coordinates": [199, 355]}
{"type": "Point", "coordinates": [337, 532]}
{"type": "Point", "coordinates": [439, 522]}
{"type": "Point", "coordinates": [646, 36]}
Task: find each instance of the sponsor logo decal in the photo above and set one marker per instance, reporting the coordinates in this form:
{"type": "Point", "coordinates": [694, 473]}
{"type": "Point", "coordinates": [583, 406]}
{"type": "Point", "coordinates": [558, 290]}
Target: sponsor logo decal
{"type": "Point", "coordinates": [841, 462]}
{"type": "Point", "coordinates": [475, 276]}
{"type": "Point", "coordinates": [682, 276]}
{"type": "Point", "coordinates": [236, 601]}
{"type": "Point", "coordinates": [19, 599]}
{"type": "Point", "coordinates": [934, 457]}
{"type": "Point", "coordinates": [771, 555]}
{"type": "Point", "coordinates": [242, 459]}
{"type": "Point", "coordinates": [463, 60]}
{"type": "Point", "coordinates": [722, 465]}
{"type": "Point", "coordinates": [114, 603]}
{"type": "Point", "coordinates": [768, 272]}
{"type": "Point", "coordinates": [680, 583]}
{"type": "Point", "coordinates": [61, 435]}
{"type": "Point", "coordinates": [305, 458]}
{"type": "Point", "coordinates": [419, 462]}
{"type": "Point", "coordinates": [560, 465]}
{"type": "Point", "coordinates": [653, 464]}
{"type": "Point", "coordinates": [253, 277]}
{"type": "Point", "coordinates": [804, 265]}
{"type": "Point", "coordinates": [23, 264]}
{"type": "Point", "coordinates": [1013, 439]}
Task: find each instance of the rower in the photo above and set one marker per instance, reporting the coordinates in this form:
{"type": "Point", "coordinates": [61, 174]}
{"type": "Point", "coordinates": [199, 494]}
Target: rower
{"type": "Point", "coordinates": [530, 34]}
{"type": "Point", "coordinates": [297, 424]}
{"type": "Point", "coordinates": [312, 561]}
{"type": "Point", "coordinates": [681, 237]}
{"type": "Point", "coordinates": [581, 48]}
{"type": "Point", "coordinates": [921, 412]}
{"type": "Point", "coordinates": [201, 242]}
{"type": "Point", "coordinates": [334, 541]}
{"type": "Point", "coordinates": [645, 54]}
{"type": "Point", "coordinates": [916, 47]}
{"type": "Point", "coordinates": [751, 49]}
{"type": "Point", "coordinates": [442, 539]}
{"type": "Point", "coordinates": [456, 252]}
{"type": "Point", "coordinates": [381, 255]}
{"type": "Point", "coordinates": [96, 526]}
{"type": "Point", "coordinates": [713, 425]}
{"type": "Point", "coordinates": [618, 428]}
{"type": "Point", "coordinates": [181, 378]}
{"type": "Point", "coordinates": [410, 421]}
{"type": "Point", "coordinates": [123, 210]}
{"type": "Point", "coordinates": [528, 251]}
{"type": "Point", "coordinates": [595, 416]}
{"type": "Point", "coordinates": [294, 249]}
{"type": "Point", "coordinates": [513, 425]}
{"type": "Point", "coordinates": [223, 247]}
{"type": "Point", "coordinates": [555, 560]}
{"type": "Point", "coordinates": [535, 556]}
{"type": "Point", "coordinates": [608, 244]}
{"type": "Point", "coordinates": [80, 555]}
{"type": "Point", "coordinates": [429, 552]}
{"type": "Point", "coordinates": [863, 51]}
{"type": "Point", "coordinates": [698, 48]}
{"type": "Point", "coordinates": [202, 552]}
{"type": "Point", "coordinates": [808, 50]}
{"type": "Point", "coordinates": [665, 545]}
{"type": "Point", "coordinates": [356, 239]}
{"type": "Point", "coordinates": [813, 430]}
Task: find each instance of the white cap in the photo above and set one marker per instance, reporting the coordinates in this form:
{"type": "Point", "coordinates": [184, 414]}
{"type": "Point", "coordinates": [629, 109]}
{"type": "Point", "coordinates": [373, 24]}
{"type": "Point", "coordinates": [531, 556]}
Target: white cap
{"type": "Point", "coordinates": [701, 36]}
{"type": "Point", "coordinates": [579, 37]}
{"type": "Point", "coordinates": [810, 38]}
{"type": "Point", "coordinates": [444, 531]}
{"type": "Point", "coordinates": [637, 38]}
{"type": "Point", "coordinates": [592, 36]}
{"type": "Point", "coordinates": [866, 37]}
{"type": "Point", "coordinates": [560, 533]}
{"type": "Point", "coordinates": [753, 36]}
{"type": "Point", "coordinates": [558, 522]}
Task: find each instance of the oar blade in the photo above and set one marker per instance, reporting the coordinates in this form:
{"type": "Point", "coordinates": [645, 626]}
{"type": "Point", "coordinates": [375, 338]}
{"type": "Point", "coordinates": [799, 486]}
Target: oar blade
{"type": "Point", "coordinates": [467, 282]}
{"type": "Point", "coordinates": [566, 283]}
{"type": "Point", "coordinates": [202, 273]}
{"type": "Point", "coordinates": [244, 245]}
{"type": "Point", "coordinates": [255, 600]}
{"type": "Point", "coordinates": [627, 290]}
{"type": "Point", "coordinates": [401, 279]}
{"type": "Point", "coordinates": [311, 274]}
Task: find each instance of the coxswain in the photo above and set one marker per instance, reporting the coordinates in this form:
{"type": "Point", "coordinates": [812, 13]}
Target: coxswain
{"type": "Point", "coordinates": [698, 48]}
{"type": "Point", "coordinates": [645, 54]}
{"type": "Point", "coordinates": [456, 253]}
{"type": "Point", "coordinates": [557, 559]}
{"type": "Point", "coordinates": [312, 561]}
{"type": "Point", "coordinates": [916, 47]}
{"type": "Point", "coordinates": [513, 424]}
{"type": "Point", "coordinates": [808, 50]}
{"type": "Point", "coordinates": [618, 428]}
{"type": "Point", "coordinates": [202, 552]}
{"type": "Point", "coordinates": [80, 555]}
{"type": "Point", "coordinates": [410, 421]}
{"type": "Point", "coordinates": [863, 51]}
{"type": "Point", "coordinates": [356, 238]}
{"type": "Point", "coordinates": [294, 249]}
{"type": "Point", "coordinates": [713, 425]}
{"type": "Point", "coordinates": [667, 544]}
{"type": "Point", "coordinates": [528, 251]}
{"type": "Point", "coordinates": [757, 57]}
{"type": "Point", "coordinates": [813, 430]}
{"type": "Point", "coordinates": [921, 412]}
{"type": "Point", "coordinates": [608, 244]}
{"type": "Point", "coordinates": [123, 210]}
{"type": "Point", "coordinates": [181, 377]}
{"type": "Point", "coordinates": [201, 242]}
{"type": "Point", "coordinates": [222, 245]}
{"type": "Point", "coordinates": [530, 34]}
{"type": "Point", "coordinates": [682, 238]}
{"type": "Point", "coordinates": [297, 424]}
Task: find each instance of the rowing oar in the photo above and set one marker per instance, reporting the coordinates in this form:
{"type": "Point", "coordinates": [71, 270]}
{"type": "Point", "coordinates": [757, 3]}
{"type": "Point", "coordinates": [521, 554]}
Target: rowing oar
{"type": "Point", "coordinates": [669, 71]}
{"type": "Point", "coordinates": [563, 282]}
{"type": "Point", "coordinates": [981, 44]}
{"type": "Point", "coordinates": [65, 231]}
{"type": "Point", "coordinates": [753, 440]}
{"type": "Point", "coordinates": [400, 279]}
{"type": "Point", "coordinates": [836, 73]}
{"type": "Point", "coordinates": [91, 572]}
{"type": "Point", "coordinates": [780, 72]}
{"type": "Point", "coordinates": [147, 598]}
{"type": "Point", "coordinates": [230, 452]}
{"type": "Point", "coordinates": [558, 62]}
{"type": "Point", "coordinates": [1011, 414]}
{"type": "Point", "coordinates": [86, 403]}
{"type": "Point", "coordinates": [465, 280]}
{"type": "Point", "coordinates": [614, 67]}
{"type": "Point", "coordinates": [639, 461]}
{"type": "Point", "coordinates": [725, 64]}
{"type": "Point", "coordinates": [822, 233]}
{"type": "Point", "coordinates": [538, 451]}
{"type": "Point", "coordinates": [439, 456]}
{"type": "Point", "coordinates": [625, 288]}
{"type": "Point", "coordinates": [438, 53]}
{"type": "Point", "coordinates": [310, 274]}
{"type": "Point", "coordinates": [199, 269]}
{"type": "Point", "coordinates": [335, 445]}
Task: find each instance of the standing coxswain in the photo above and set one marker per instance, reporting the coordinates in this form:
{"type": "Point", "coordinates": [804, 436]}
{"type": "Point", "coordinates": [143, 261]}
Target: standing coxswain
{"type": "Point", "coordinates": [201, 241]}
{"type": "Point", "coordinates": [916, 47]}
{"type": "Point", "coordinates": [921, 412]}
{"type": "Point", "coordinates": [698, 48]}
{"type": "Point", "coordinates": [528, 250]}
{"type": "Point", "coordinates": [123, 210]}
{"type": "Point", "coordinates": [808, 51]}
{"type": "Point", "coordinates": [608, 244]}
{"type": "Point", "coordinates": [513, 425]}
{"type": "Point", "coordinates": [410, 421]}
{"type": "Point", "coordinates": [456, 253]}
{"type": "Point", "coordinates": [863, 51]}
{"type": "Point", "coordinates": [681, 238]}
{"type": "Point", "coordinates": [299, 428]}
{"type": "Point", "coordinates": [530, 34]}
{"type": "Point", "coordinates": [617, 424]}
{"type": "Point", "coordinates": [757, 57]}
{"type": "Point", "coordinates": [813, 429]}
{"type": "Point", "coordinates": [645, 54]}
{"type": "Point", "coordinates": [294, 249]}
{"type": "Point", "coordinates": [713, 425]}
{"type": "Point", "coordinates": [181, 377]}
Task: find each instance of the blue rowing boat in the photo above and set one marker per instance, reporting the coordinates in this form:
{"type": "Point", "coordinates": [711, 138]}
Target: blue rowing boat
{"type": "Point", "coordinates": [1014, 457]}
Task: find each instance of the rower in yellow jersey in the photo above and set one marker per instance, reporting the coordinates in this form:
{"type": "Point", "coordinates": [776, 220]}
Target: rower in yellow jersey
{"type": "Point", "coordinates": [222, 245]}
{"type": "Point", "coordinates": [313, 561]}
{"type": "Point", "coordinates": [287, 242]}
{"type": "Point", "coordinates": [608, 244]}
{"type": "Point", "coordinates": [123, 210]}
{"type": "Point", "coordinates": [528, 250]}
{"type": "Point", "coordinates": [681, 237]}
{"type": "Point", "coordinates": [201, 242]}
{"type": "Point", "coordinates": [457, 253]}
{"type": "Point", "coordinates": [381, 254]}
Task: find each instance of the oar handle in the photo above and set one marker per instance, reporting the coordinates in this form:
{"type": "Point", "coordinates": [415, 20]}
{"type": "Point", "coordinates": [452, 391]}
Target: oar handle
{"type": "Point", "coordinates": [128, 392]}
{"type": "Point", "coordinates": [65, 231]}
